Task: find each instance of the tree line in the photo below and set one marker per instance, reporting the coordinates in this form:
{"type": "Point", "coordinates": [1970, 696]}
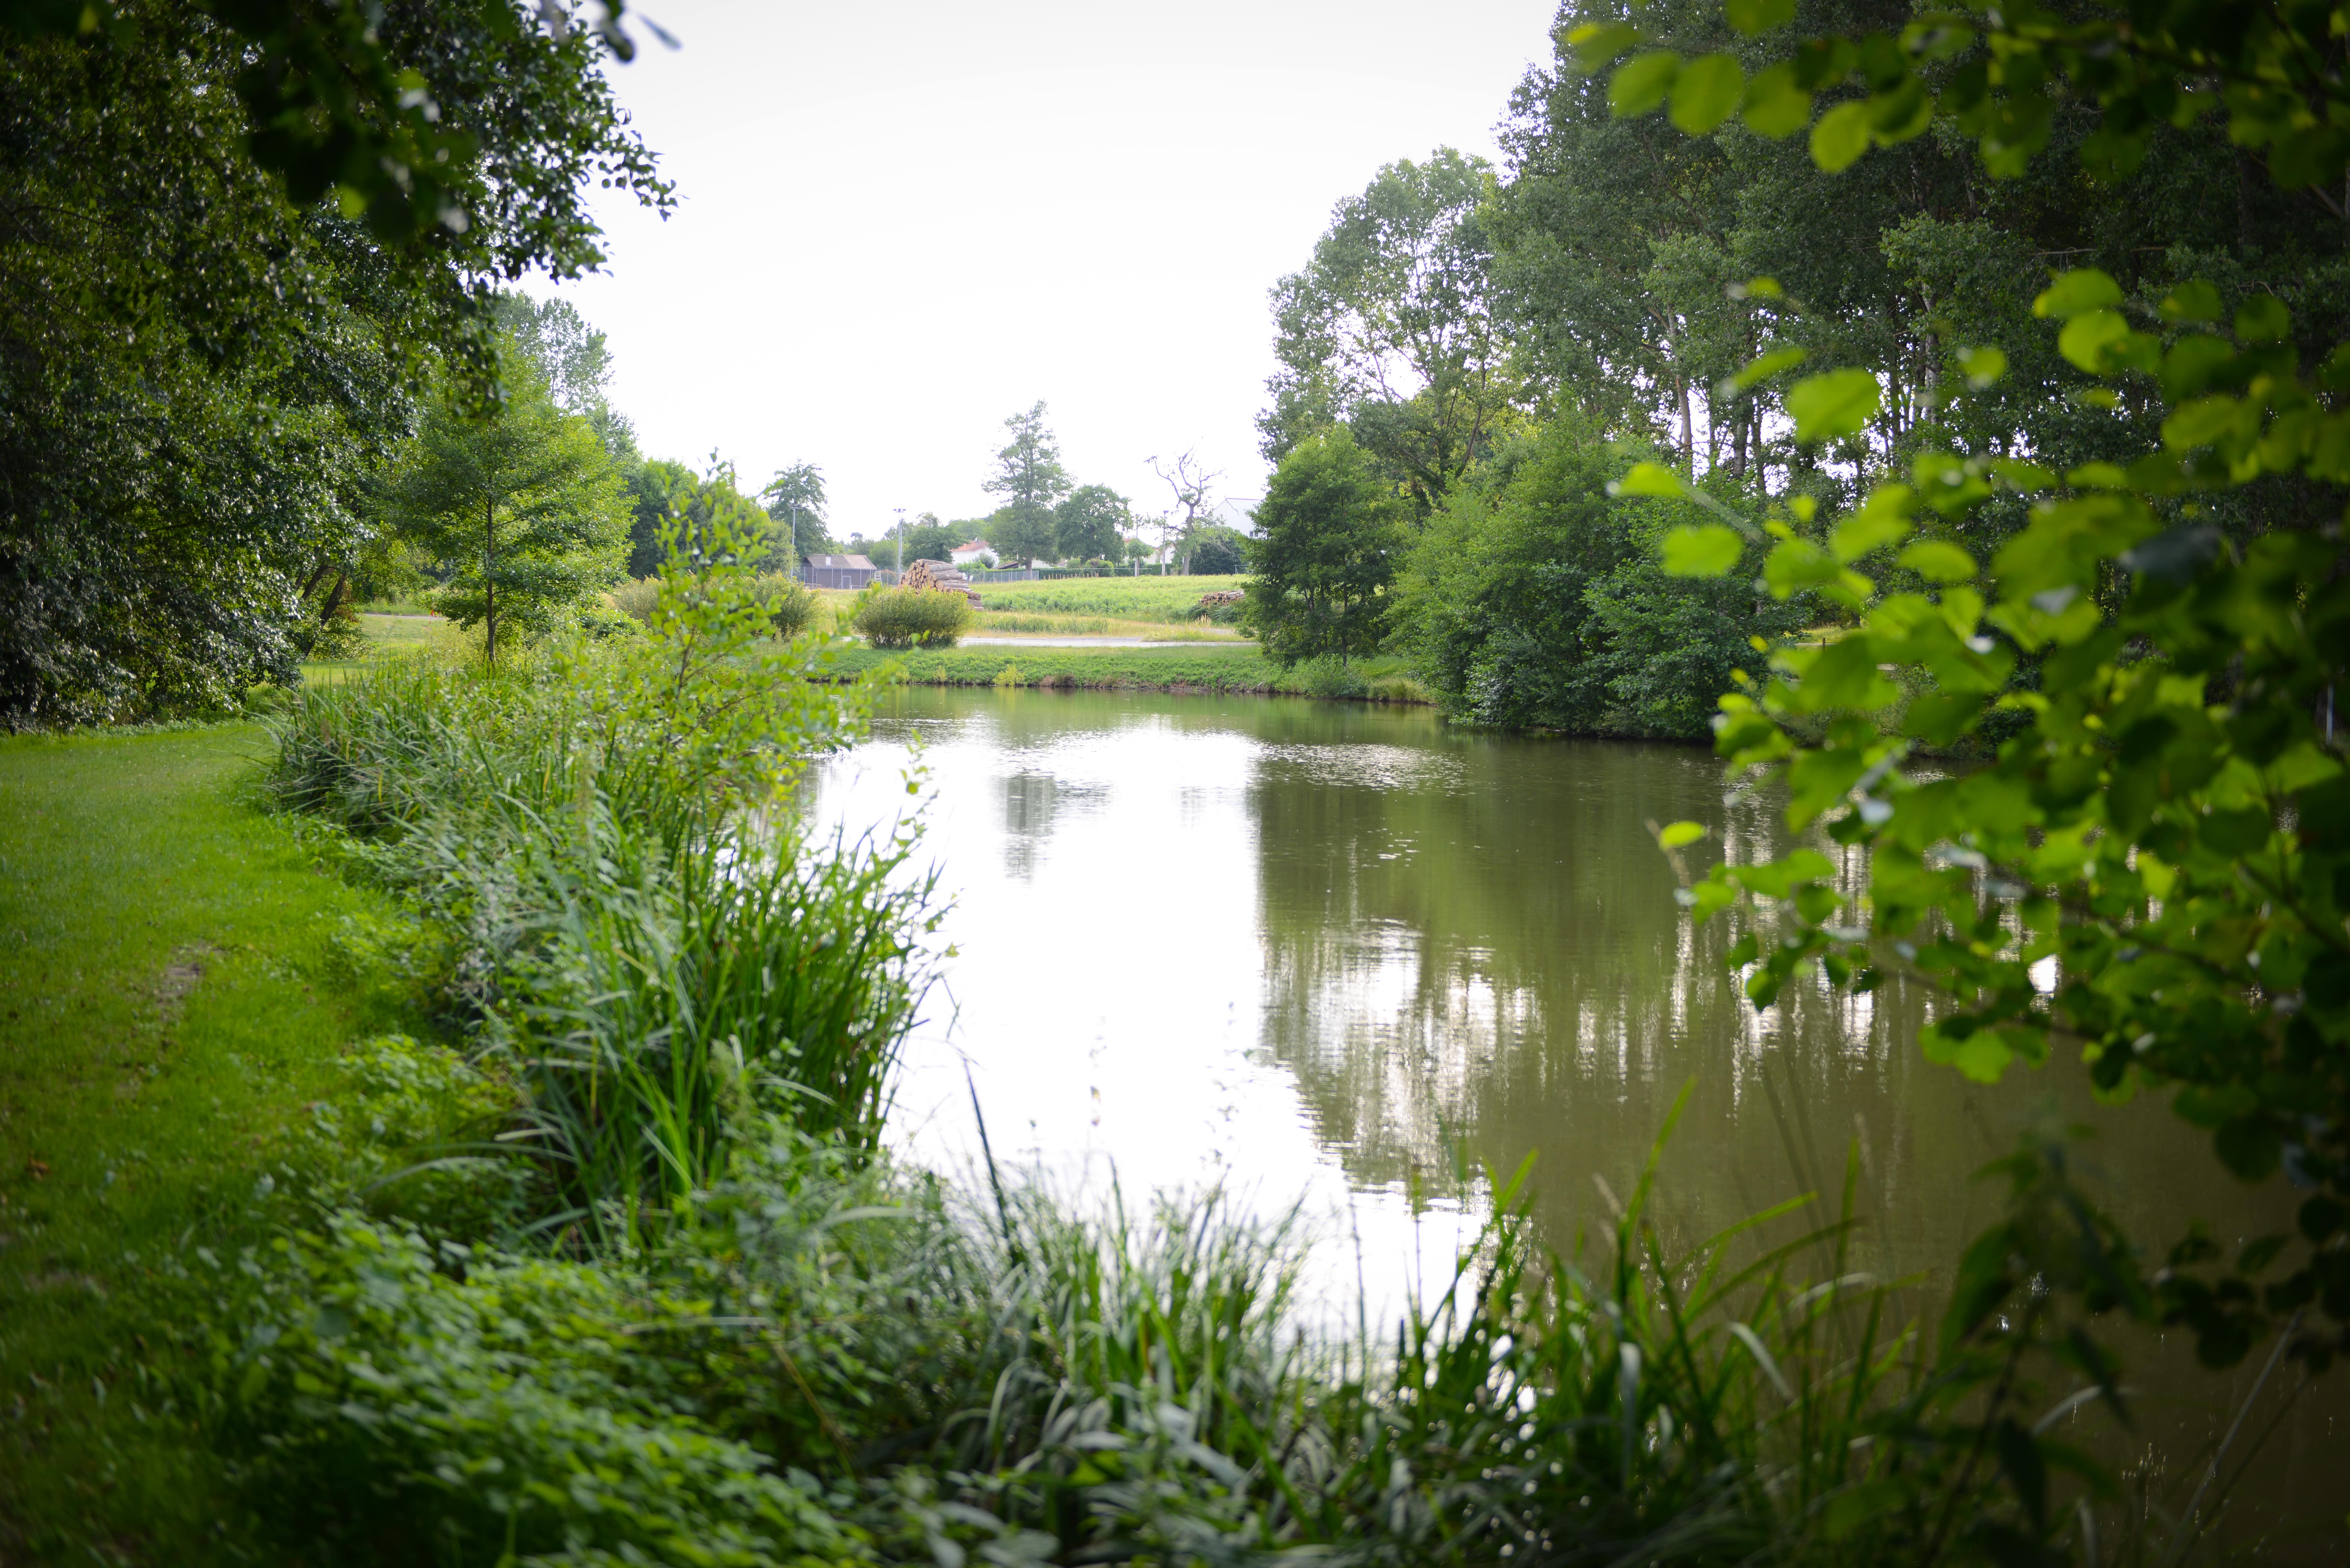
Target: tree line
{"type": "Point", "coordinates": [1474, 355]}
{"type": "Point", "coordinates": [1047, 517]}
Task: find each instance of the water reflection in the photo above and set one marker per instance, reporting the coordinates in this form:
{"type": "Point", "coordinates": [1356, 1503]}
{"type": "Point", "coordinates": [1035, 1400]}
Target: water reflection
{"type": "Point", "coordinates": [1351, 956]}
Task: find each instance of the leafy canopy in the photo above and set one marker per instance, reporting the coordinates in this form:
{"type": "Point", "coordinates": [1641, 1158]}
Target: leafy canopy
{"type": "Point", "coordinates": [520, 502]}
{"type": "Point", "coordinates": [1328, 536]}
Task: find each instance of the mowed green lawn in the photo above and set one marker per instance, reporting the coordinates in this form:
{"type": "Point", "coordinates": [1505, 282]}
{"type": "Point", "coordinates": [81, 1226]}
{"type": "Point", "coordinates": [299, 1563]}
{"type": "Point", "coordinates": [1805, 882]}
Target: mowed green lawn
{"type": "Point", "coordinates": [177, 983]}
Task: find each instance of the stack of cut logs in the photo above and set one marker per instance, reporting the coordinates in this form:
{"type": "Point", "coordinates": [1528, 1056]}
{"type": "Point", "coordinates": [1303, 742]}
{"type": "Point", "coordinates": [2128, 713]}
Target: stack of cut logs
{"type": "Point", "coordinates": [1225, 597]}
{"type": "Point", "coordinates": [937, 576]}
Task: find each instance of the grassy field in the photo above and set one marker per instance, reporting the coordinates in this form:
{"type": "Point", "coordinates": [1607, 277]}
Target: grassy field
{"type": "Point", "coordinates": [176, 985]}
{"type": "Point", "coordinates": [1166, 600]}
{"type": "Point", "coordinates": [1082, 606]}
{"type": "Point", "coordinates": [1233, 667]}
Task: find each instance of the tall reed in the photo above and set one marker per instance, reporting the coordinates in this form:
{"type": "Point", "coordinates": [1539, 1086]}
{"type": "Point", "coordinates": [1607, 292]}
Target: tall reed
{"type": "Point", "coordinates": [594, 830]}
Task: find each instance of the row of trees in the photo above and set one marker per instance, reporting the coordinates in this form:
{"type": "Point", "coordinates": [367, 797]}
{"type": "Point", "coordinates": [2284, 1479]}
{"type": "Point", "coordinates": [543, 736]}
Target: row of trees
{"type": "Point", "coordinates": [1489, 349]}
{"type": "Point", "coordinates": [1046, 515]}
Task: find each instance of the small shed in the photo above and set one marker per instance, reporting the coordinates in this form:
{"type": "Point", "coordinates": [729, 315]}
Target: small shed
{"type": "Point", "coordinates": [840, 571]}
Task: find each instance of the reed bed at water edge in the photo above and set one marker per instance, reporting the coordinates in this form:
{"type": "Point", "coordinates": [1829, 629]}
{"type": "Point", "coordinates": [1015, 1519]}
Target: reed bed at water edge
{"type": "Point", "coordinates": [655, 960]}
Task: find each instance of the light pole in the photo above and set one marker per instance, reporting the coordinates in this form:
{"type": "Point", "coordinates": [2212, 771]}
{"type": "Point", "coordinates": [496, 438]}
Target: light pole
{"type": "Point", "coordinates": [902, 539]}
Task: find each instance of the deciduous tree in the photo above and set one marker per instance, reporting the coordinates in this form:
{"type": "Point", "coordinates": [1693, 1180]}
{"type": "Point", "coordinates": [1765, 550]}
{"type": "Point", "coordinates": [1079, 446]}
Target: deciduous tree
{"type": "Point", "coordinates": [1329, 534]}
{"type": "Point", "coordinates": [1029, 476]}
{"type": "Point", "coordinates": [1090, 523]}
{"type": "Point", "coordinates": [519, 502]}
{"type": "Point", "coordinates": [1392, 327]}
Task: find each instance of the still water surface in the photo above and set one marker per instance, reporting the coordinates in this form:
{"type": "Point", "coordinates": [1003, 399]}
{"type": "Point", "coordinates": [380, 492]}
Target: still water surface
{"type": "Point", "coordinates": [1349, 957]}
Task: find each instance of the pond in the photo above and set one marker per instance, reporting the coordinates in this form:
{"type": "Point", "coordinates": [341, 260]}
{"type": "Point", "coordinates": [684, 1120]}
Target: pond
{"type": "Point", "coordinates": [1353, 958]}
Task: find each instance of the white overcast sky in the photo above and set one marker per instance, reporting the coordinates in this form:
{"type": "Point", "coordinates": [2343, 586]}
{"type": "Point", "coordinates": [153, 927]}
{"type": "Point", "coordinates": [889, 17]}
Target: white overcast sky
{"type": "Point", "coordinates": [897, 223]}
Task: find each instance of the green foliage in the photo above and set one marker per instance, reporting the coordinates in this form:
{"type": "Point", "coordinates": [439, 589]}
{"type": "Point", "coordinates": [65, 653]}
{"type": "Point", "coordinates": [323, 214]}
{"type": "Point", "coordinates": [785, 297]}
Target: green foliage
{"type": "Point", "coordinates": [662, 966]}
{"type": "Point", "coordinates": [1217, 553]}
{"type": "Point", "coordinates": [527, 1405]}
{"type": "Point", "coordinates": [2148, 866]}
{"type": "Point", "coordinates": [194, 410]}
{"type": "Point", "coordinates": [795, 500]}
{"type": "Point", "coordinates": [911, 618]}
{"type": "Point", "coordinates": [1543, 593]}
{"type": "Point", "coordinates": [1328, 534]}
{"type": "Point", "coordinates": [1029, 476]}
{"type": "Point", "coordinates": [792, 604]}
{"type": "Point", "coordinates": [518, 504]}
{"type": "Point", "coordinates": [1088, 526]}
{"type": "Point", "coordinates": [337, 104]}
{"type": "Point", "coordinates": [1023, 533]}
{"type": "Point", "coordinates": [1137, 1385]}
{"type": "Point", "coordinates": [1398, 294]}
{"type": "Point", "coordinates": [1999, 78]}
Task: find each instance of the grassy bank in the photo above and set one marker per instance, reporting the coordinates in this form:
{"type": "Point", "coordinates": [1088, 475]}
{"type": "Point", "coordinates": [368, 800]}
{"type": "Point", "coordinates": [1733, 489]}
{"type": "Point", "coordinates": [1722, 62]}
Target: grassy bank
{"type": "Point", "coordinates": [1165, 600]}
{"type": "Point", "coordinates": [1192, 668]}
{"type": "Point", "coordinates": [179, 983]}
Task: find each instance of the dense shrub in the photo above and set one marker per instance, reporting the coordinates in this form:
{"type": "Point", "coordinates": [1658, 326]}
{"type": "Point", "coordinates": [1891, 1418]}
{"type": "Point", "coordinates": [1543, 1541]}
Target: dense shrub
{"type": "Point", "coordinates": [1533, 597]}
{"type": "Point", "coordinates": [1217, 553]}
{"type": "Point", "coordinates": [911, 618]}
{"type": "Point", "coordinates": [794, 603]}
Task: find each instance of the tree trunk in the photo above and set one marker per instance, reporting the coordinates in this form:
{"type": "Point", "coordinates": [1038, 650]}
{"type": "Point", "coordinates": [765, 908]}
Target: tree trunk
{"type": "Point", "coordinates": [1688, 436]}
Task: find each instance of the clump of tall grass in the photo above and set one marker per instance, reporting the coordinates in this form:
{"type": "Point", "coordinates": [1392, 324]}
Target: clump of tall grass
{"type": "Point", "coordinates": [592, 825]}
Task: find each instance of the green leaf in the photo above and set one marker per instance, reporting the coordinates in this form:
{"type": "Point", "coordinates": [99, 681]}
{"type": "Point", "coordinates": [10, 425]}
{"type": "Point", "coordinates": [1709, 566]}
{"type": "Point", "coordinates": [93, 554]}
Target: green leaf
{"type": "Point", "coordinates": [1838, 403]}
{"type": "Point", "coordinates": [1649, 479]}
{"type": "Point", "coordinates": [1677, 834]}
{"type": "Point", "coordinates": [1883, 521]}
{"type": "Point", "coordinates": [1753, 16]}
{"type": "Point", "coordinates": [2264, 319]}
{"type": "Point", "coordinates": [1707, 550]}
{"type": "Point", "coordinates": [1901, 113]}
{"type": "Point", "coordinates": [1641, 82]}
{"type": "Point", "coordinates": [2247, 1145]}
{"type": "Point", "coordinates": [1937, 561]}
{"type": "Point", "coordinates": [2077, 292]}
{"type": "Point", "coordinates": [1982, 366]}
{"type": "Point", "coordinates": [2206, 420]}
{"type": "Point", "coordinates": [1768, 366]}
{"type": "Point", "coordinates": [1595, 44]}
{"type": "Point", "coordinates": [1775, 105]}
{"type": "Point", "coordinates": [2193, 301]}
{"type": "Point", "coordinates": [2088, 338]}
{"type": "Point", "coordinates": [1705, 93]}
{"type": "Point", "coordinates": [1840, 136]}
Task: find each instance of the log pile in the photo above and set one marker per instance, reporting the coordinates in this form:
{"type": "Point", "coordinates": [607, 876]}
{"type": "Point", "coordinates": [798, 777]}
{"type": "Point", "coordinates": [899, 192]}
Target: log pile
{"type": "Point", "coordinates": [1225, 597]}
{"type": "Point", "coordinates": [937, 576]}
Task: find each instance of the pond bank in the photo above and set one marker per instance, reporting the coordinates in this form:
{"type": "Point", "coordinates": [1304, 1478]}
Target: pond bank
{"type": "Point", "coordinates": [1189, 669]}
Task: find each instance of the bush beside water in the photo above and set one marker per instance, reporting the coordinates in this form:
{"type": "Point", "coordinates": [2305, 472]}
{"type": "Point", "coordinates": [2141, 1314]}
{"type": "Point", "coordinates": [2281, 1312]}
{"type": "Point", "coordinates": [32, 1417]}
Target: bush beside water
{"type": "Point", "coordinates": [911, 618]}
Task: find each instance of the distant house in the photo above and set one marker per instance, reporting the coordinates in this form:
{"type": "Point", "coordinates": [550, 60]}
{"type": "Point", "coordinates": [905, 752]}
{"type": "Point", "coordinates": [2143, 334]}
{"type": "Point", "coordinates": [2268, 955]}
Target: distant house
{"type": "Point", "coordinates": [1238, 512]}
{"type": "Point", "coordinates": [977, 550]}
{"type": "Point", "coordinates": [840, 571]}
